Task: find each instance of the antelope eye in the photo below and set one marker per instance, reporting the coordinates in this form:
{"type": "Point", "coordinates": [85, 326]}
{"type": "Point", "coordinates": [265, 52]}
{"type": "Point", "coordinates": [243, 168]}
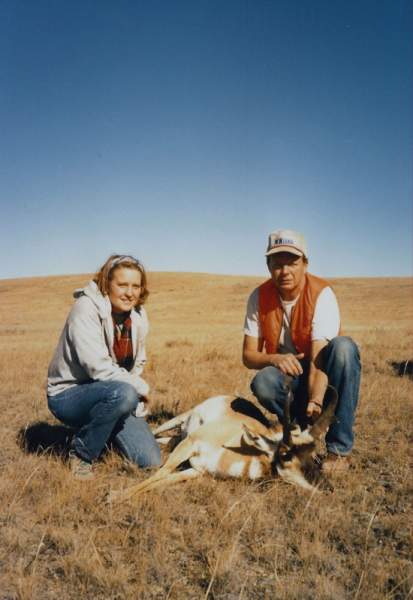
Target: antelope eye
{"type": "Point", "coordinates": [287, 455]}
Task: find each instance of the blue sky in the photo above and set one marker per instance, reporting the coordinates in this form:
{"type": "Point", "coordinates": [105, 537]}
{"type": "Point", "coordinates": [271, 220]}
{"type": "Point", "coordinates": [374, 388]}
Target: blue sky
{"type": "Point", "coordinates": [184, 131]}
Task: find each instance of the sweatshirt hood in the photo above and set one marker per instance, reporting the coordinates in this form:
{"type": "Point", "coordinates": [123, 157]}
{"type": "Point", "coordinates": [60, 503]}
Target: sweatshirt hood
{"type": "Point", "coordinates": [101, 302]}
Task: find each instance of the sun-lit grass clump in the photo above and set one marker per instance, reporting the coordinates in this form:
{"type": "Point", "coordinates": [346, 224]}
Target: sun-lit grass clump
{"type": "Point", "coordinates": [206, 538]}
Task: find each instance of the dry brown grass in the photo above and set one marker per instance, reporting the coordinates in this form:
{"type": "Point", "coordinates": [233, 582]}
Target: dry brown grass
{"type": "Point", "coordinates": [204, 539]}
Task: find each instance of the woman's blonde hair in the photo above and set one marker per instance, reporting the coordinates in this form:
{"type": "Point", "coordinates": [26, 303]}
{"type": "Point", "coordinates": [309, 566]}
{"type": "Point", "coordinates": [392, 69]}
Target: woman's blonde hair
{"type": "Point", "coordinates": [116, 261]}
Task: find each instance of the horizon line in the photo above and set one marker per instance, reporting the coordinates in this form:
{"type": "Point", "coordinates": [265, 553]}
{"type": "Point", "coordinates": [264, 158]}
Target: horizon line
{"type": "Point", "coordinates": [91, 274]}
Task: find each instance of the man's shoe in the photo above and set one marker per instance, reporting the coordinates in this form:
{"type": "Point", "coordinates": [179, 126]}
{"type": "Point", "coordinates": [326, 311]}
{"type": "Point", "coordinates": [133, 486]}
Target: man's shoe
{"type": "Point", "coordinates": [335, 464]}
{"type": "Point", "coordinates": [81, 469]}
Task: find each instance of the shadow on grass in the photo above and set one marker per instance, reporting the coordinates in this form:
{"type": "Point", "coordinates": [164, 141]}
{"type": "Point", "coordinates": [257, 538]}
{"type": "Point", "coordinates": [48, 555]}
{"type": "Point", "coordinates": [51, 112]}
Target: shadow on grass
{"type": "Point", "coordinates": [42, 437]}
{"type": "Point", "coordinates": [403, 368]}
{"type": "Point", "coordinates": [160, 416]}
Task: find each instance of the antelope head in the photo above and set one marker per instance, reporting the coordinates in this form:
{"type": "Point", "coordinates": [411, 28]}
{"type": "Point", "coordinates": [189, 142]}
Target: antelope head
{"type": "Point", "coordinates": [293, 457]}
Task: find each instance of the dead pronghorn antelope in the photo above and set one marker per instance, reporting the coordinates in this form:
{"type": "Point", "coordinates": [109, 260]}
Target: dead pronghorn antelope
{"type": "Point", "coordinates": [227, 436]}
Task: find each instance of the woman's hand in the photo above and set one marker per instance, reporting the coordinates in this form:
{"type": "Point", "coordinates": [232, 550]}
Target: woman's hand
{"type": "Point", "coordinates": [142, 410]}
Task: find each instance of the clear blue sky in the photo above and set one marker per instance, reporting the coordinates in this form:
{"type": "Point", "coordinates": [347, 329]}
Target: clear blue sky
{"type": "Point", "coordinates": [183, 131]}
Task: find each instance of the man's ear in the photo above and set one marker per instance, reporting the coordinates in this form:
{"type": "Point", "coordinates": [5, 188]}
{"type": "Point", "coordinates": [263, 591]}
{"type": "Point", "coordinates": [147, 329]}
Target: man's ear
{"type": "Point", "coordinates": [305, 261]}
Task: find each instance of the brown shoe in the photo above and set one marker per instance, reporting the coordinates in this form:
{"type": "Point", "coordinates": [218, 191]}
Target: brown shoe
{"type": "Point", "coordinates": [335, 464]}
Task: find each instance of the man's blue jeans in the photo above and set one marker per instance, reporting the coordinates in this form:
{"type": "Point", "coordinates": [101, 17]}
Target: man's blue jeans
{"type": "Point", "coordinates": [102, 411]}
{"type": "Point", "coordinates": [341, 362]}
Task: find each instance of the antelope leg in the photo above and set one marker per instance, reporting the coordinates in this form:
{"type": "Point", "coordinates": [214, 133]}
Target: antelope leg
{"type": "Point", "coordinates": [172, 423]}
{"type": "Point", "coordinates": [151, 484]}
{"type": "Point", "coordinates": [164, 440]}
{"type": "Point", "coordinates": [182, 452]}
{"type": "Point", "coordinates": [170, 479]}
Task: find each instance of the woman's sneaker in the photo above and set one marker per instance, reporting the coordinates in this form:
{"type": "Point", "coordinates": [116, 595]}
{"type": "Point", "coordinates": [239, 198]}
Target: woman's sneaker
{"type": "Point", "coordinates": [81, 469]}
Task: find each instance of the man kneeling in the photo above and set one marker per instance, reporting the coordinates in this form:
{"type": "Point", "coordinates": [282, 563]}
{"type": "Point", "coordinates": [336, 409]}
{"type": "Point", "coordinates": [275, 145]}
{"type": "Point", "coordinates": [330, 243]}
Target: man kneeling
{"type": "Point", "coordinates": [292, 327]}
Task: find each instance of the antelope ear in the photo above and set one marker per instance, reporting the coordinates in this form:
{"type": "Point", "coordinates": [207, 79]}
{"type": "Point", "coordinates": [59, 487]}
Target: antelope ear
{"type": "Point", "coordinates": [251, 438]}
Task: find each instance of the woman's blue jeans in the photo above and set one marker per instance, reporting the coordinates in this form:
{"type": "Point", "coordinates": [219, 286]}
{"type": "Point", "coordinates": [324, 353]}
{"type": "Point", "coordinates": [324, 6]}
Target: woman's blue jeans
{"type": "Point", "coordinates": [341, 363]}
{"type": "Point", "coordinates": [101, 411]}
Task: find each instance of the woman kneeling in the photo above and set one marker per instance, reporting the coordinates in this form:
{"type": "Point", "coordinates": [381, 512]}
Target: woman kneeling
{"type": "Point", "coordinates": [94, 379]}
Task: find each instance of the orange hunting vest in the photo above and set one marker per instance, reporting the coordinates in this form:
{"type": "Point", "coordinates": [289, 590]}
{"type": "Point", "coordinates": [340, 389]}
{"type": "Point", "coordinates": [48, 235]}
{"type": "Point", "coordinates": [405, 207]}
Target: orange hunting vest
{"type": "Point", "coordinates": [270, 313]}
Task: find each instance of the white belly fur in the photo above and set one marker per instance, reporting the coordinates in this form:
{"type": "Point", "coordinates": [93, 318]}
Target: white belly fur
{"type": "Point", "coordinates": [207, 458]}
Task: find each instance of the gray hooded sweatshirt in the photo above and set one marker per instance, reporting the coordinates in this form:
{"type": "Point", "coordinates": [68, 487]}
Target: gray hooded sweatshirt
{"type": "Point", "coordinates": [85, 349]}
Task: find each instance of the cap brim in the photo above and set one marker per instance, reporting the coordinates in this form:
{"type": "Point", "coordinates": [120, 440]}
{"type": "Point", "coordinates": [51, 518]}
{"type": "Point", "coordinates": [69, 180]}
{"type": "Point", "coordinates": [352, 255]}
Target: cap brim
{"type": "Point", "coordinates": [289, 249]}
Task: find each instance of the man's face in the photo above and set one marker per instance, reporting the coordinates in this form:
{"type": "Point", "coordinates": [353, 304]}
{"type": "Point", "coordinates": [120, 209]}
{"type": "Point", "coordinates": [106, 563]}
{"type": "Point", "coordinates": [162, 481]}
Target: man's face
{"type": "Point", "coordinates": [287, 272]}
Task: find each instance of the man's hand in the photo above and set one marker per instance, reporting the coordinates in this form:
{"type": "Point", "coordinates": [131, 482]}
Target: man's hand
{"type": "Point", "coordinates": [317, 381]}
{"type": "Point", "coordinates": [254, 357]}
{"type": "Point", "coordinates": [314, 408]}
{"type": "Point", "coordinates": [289, 363]}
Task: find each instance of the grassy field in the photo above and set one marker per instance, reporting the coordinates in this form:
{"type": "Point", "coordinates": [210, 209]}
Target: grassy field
{"type": "Point", "coordinates": [204, 539]}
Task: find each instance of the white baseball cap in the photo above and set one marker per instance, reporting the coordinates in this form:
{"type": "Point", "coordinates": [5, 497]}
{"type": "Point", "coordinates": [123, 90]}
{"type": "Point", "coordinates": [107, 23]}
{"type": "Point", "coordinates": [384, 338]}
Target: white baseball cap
{"type": "Point", "coordinates": [286, 240]}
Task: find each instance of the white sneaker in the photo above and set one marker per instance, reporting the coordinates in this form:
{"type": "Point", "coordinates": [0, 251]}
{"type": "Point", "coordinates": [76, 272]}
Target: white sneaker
{"type": "Point", "coordinates": [81, 469]}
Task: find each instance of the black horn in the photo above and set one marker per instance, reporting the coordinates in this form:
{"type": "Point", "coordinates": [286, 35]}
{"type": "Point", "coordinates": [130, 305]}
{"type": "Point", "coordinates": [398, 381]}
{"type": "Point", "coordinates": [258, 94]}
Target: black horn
{"type": "Point", "coordinates": [328, 415]}
{"type": "Point", "coordinates": [286, 422]}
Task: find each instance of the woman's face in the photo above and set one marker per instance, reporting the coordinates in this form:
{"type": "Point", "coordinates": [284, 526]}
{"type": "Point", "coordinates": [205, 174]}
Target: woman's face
{"type": "Point", "coordinates": [124, 289]}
